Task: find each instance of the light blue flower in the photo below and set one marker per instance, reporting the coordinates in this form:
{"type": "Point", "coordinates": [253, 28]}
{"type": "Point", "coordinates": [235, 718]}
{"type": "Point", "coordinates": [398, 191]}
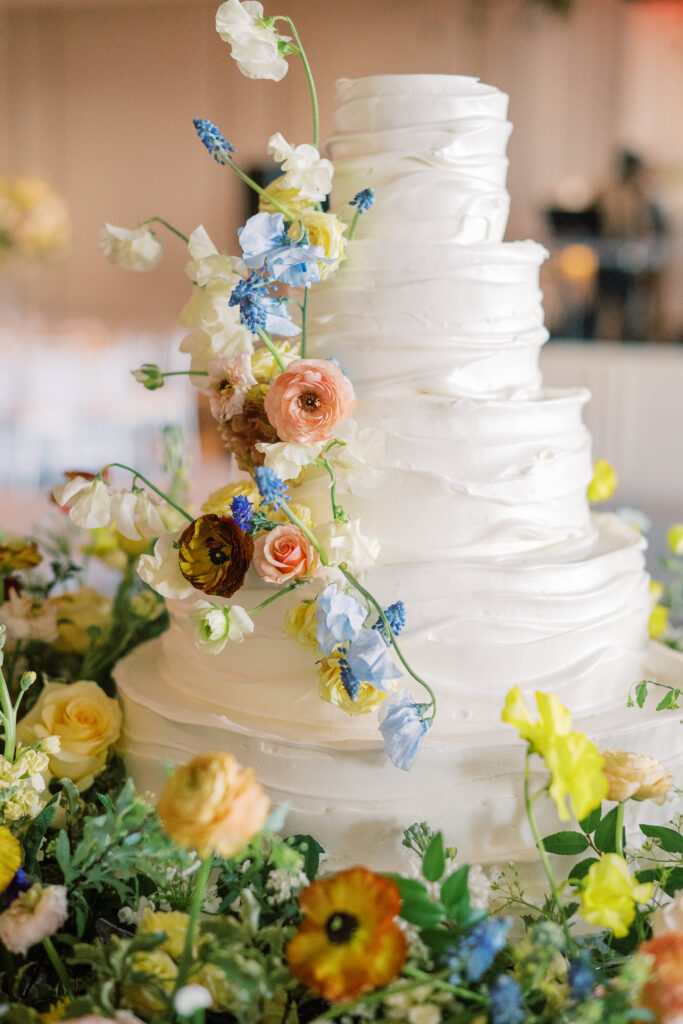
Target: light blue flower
{"type": "Point", "coordinates": [295, 264]}
{"type": "Point", "coordinates": [278, 320]}
{"type": "Point", "coordinates": [403, 728]}
{"type": "Point", "coordinates": [264, 241]}
{"type": "Point", "coordinates": [370, 661]}
{"type": "Point", "coordinates": [476, 952]}
{"type": "Point", "coordinates": [340, 618]}
{"type": "Point", "coordinates": [260, 235]}
{"type": "Point", "coordinates": [506, 1001]}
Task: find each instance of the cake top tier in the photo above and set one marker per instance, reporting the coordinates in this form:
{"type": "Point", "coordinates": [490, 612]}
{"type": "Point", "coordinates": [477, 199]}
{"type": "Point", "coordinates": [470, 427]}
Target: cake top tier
{"type": "Point", "coordinates": [385, 102]}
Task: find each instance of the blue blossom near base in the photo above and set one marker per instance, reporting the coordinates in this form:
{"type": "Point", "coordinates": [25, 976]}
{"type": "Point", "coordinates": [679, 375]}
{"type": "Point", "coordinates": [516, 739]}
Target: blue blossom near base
{"type": "Point", "coordinates": [351, 683]}
{"type": "Point", "coordinates": [395, 615]}
{"type": "Point", "coordinates": [265, 241]}
{"type": "Point", "coordinates": [581, 977]}
{"type": "Point", "coordinates": [272, 489]}
{"type": "Point", "coordinates": [370, 661]}
{"type": "Point", "coordinates": [476, 952]}
{"type": "Point", "coordinates": [506, 1001]}
{"type": "Point", "coordinates": [20, 883]}
{"type": "Point", "coordinates": [340, 618]}
{"type": "Point", "coordinates": [260, 311]}
{"type": "Point", "coordinates": [214, 140]}
{"type": "Point", "coordinates": [363, 199]}
{"type": "Point", "coordinates": [242, 511]}
{"type": "Point", "coordinates": [403, 728]}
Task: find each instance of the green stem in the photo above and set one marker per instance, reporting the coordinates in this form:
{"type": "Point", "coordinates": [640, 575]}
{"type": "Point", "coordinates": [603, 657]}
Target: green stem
{"type": "Point", "coordinates": [619, 829]}
{"type": "Point", "coordinates": [544, 856]}
{"type": "Point", "coordinates": [261, 191]}
{"type": "Point", "coordinates": [273, 597]}
{"type": "Point", "coordinates": [381, 994]}
{"type": "Point", "coordinates": [337, 510]}
{"type": "Point", "coordinates": [265, 338]}
{"type": "Point", "coordinates": [160, 220]}
{"type": "Point", "coordinates": [293, 518]}
{"type": "Point", "coordinates": [10, 720]}
{"type": "Point", "coordinates": [390, 633]}
{"type": "Point", "coordinates": [58, 964]}
{"type": "Point", "coordinates": [186, 373]}
{"type": "Point", "coordinates": [185, 962]}
{"type": "Point", "coordinates": [353, 225]}
{"type": "Point", "coordinates": [304, 310]}
{"type": "Point", "coordinates": [309, 76]}
{"type": "Point", "coordinates": [152, 487]}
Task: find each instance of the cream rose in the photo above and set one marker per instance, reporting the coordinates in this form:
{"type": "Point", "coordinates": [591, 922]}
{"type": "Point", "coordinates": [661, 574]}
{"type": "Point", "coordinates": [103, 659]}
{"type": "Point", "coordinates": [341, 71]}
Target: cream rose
{"type": "Point", "coordinates": [87, 723]}
{"type": "Point", "coordinates": [213, 805]}
{"type": "Point", "coordinates": [635, 777]}
{"type": "Point", "coordinates": [77, 613]}
{"type": "Point", "coordinates": [284, 554]}
{"type": "Point", "coordinates": [327, 231]}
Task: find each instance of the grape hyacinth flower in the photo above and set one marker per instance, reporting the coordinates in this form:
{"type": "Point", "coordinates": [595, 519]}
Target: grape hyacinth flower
{"type": "Point", "coordinates": [214, 140]}
{"type": "Point", "coordinates": [403, 728]}
{"type": "Point", "coordinates": [581, 977]}
{"type": "Point", "coordinates": [271, 488]}
{"type": "Point", "coordinates": [351, 683]}
{"type": "Point", "coordinates": [369, 660]}
{"type": "Point", "coordinates": [242, 511]}
{"type": "Point", "coordinates": [260, 311]}
{"type": "Point", "coordinates": [477, 950]}
{"type": "Point", "coordinates": [506, 1001]}
{"type": "Point", "coordinates": [395, 615]}
{"type": "Point", "coordinates": [363, 200]}
{"type": "Point", "coordinates": [340, 618]}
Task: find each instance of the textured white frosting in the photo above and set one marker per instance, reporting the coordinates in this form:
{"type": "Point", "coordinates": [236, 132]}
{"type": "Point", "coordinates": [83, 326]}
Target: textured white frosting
{"type": "Point", "coordinates": [485, 528]}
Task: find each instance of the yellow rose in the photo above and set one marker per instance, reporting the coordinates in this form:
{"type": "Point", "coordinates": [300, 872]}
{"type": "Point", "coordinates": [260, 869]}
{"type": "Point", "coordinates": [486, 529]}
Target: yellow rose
{"type": "Point", "coordinates": [610, 894]}
{"type": "Point", "coordinates": [213, 805]}
{"type": "Point", "coordinates": [332, 689]}
{"type": "Point", "coordinates": [218, 502]}
{"type": "Point", "coordinates": [87, 723]}
{"type": "Point", "coordinates": [104, 545]}
{"type": "Point", "coordinates": [174, 925]}
{"type": "Point", "coordinates": [674, 538]}
{"type": "Point", "coordinates": [635, 777]}
{"type": "Point", "coordinates": [290, 198]}
{"type": "Point", "coordinates": [263, 365]}
{"type": "Point", "coordinates": [301, 624]}
{"type": "Point", "coordinates": [325, 230]}
{"type": "Point", "coordinates": [302, 511]}
{"type": "Point", "coordinates": [604, 482]}
{"type": "Point", "coordinates": [162, 971]}
{"type": "Point", "coordinates": [76, 614]}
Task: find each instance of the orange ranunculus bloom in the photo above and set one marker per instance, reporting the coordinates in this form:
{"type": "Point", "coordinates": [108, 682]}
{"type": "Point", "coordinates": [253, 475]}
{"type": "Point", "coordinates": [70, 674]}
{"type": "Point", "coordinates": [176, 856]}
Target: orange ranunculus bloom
{"type": "Point", "coordinates": [213, 805]}
{"type": "Point", "coordinates": [215, 554]}
{"type": "Point", "coordinates": [348, 942]}
{"type": "Point", "coordinates": [663, 994]}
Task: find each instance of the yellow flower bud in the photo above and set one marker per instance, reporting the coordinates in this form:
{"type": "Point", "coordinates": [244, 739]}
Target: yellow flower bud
{"type": "Point", "coordinates": [674, 538]}
{"type": "Point", "coordinates": [659, 620]}
{"type": "Point", "coordinates": [604, 482]}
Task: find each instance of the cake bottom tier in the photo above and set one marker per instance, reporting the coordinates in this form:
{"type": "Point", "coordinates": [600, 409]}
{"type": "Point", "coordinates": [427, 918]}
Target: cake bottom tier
{"type": "Point", "coordinates": [357, 804]}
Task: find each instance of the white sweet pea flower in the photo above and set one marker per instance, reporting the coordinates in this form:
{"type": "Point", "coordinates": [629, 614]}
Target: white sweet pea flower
{"type": "Point", "coordinates": [357, 463]}
{"type": "Point", "coordinates": [254, 45]}
{"type": "Point", "coordinates": [28, 618]}
{"type": "Point", "coordinates": [161, 569]}
{"type": "Point", "coordinates": [136, 249]}
{"type": "Point", "coordinates": [191, 998]}
{"type": "Point", "coordinates": [343, 543]}
{"type": "Point", "coordinates": [135, 515]}
{"type": "Point", "coordinates": [304, 168]}
{"type": "Point", "coordinates": [288, 458]}
{"type": "Point", "coordinates": [216, 624]}
{"type": "Point", "coordinates": [88, 501]}
{"type": "Point", "coordinates": [207, 264]}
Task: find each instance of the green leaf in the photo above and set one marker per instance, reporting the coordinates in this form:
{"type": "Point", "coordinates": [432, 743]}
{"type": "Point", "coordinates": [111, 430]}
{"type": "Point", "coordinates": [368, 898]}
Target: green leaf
{"type": "Point", "coordinates": [35, 834]}
{"type": "Point", "coordinates": [63, 855]}
{"type": "Point", "coordinates": [669, 839]}
{"type": "Point", "coordinates": [423, 913]}
{"type": "Point", "coordinates": [674, 882]}
{"type": "Point", "coordinates": [455, 888]}
{"type": "Point", "coordinates": [434, 860]}
{"type": "Point", "coordinates": [641, 692]}
{"type": "Point", "coordinates": [310, 849]}
{"type": "Point", "coordinates": [591, 821]}
{"type": "Point", "coordinates": [72, 796]}
{"type": "Point", "coordinates": [568, 844]}
{"type": "Point", "coordinates": [605, 833]}
{"type": "Point", "coordinates": [409, 888]}
{"type": "Point", "coordinates": [669, 701]}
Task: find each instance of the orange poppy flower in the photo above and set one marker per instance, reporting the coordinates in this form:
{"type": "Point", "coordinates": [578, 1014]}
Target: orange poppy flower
{"type": "Point", "coordinates": [349, 942]}
{"type": "Point", "coordinates": [663, 994]}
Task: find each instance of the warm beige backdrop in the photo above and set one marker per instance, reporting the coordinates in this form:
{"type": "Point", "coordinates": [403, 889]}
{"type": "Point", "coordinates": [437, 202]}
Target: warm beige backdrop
{"type": "Point", "coordinates": [98, 96]}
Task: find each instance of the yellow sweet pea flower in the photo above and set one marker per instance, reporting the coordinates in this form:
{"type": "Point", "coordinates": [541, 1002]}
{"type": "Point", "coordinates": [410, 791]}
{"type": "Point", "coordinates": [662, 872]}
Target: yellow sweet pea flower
{"type": "Point", "coordinates": [575, 763]}
{"type": "Point", "coordinates": [674, 538]}
{"type": "Point", "coordinates": [604, 482]}
{"type": "Point", "coordinates": [610, 895]}
{"type": "Point", "coordinates": [659, 620]}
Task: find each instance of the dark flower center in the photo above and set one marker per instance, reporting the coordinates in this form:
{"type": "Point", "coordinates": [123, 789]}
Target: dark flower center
{"type": "Point", "coordinates": [225, 385]}
{"type": "Point", "coordinates": [308, 401]}
{"type": "Point", "coordinates": [340, 927]}
{"type": "Point", "coordinates": [217, 553]}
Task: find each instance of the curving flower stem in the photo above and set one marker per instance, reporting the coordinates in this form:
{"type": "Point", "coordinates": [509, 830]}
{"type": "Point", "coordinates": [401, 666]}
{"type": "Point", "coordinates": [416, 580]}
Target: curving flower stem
{"type": "Point", "coordinates": [309, 74]}
{"type": "Point", "coordinates": [58, 964]}
{"type": "Point", "coordinates": [390, 633]}
{"type": "Point", "coordinates": [149, 484]}
{"type": "Point", "coordinates": [8, 718]}
{"type": "Point", "coordinates": [160, 220]}
{"type": "Point", "coordinates": [273, 597]}
{"type": "Point", "coordinates": [337, 510]}
{"type": "Point", "coordinates": [528, 803]}
{"type": "Point", "coordinates": [293, 518]}
{"type": "Point", "coordinates": [185, 962]}
{"type": "Point", "coordinates": [304, 310]}
{"type": "Point", "coordinates": [265, 338]}
{"type": "Point", "coordinates": [619, 828]}
{"type": "Point", "coordinates": [257, 188]}
{"type": "Point", "coordinates": [186, 373]}
{"type": "Point", "coordinates": [352, 229]}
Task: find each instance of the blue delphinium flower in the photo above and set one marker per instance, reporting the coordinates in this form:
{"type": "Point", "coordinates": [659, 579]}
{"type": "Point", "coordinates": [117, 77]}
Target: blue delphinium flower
{"type": "Point", "coordinates": [20, 883]}
{"type": "Point", "coordinates": [403, 728]}
{"type": "Point", "coordinates": [350, 682]}
{"type": "Point", "coordinates": [265, 241]}
{"type": "Point", "coordinates": [581, 977]}
{"type": "Point", "coordinates": [271, 488]}
{"type": "Point", "coordinates": [214, 140]}
{"type": "Point", "coordinates": [506, 1001]}
{"type": "Point", "coordinates": [369, 660]}
{"type": "Point", "coordinates": [363, 199]}
{"type": "Point", "coordinates": [396, 617]}
{"type": "Point", "coordinates": [477, 950]}
{"type": "Point", "coordinates": [340, 618]}
{"type": "Point", "coordinates": [242, 511]}
{"type": "Point", "coordinates": [258, 309]}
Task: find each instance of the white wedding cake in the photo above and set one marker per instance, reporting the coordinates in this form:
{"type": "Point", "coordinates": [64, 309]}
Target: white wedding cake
{"type": "Point", "coordinates": [481, 511]}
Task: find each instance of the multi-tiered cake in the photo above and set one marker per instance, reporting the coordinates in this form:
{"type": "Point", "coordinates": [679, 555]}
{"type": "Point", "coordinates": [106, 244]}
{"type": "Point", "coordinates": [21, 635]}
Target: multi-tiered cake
{"type": "Point", "coordinates": [481, 512]}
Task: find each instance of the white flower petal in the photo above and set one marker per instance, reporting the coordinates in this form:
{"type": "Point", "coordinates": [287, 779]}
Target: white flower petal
{"type": "Point", "coordinates": [161, 570]}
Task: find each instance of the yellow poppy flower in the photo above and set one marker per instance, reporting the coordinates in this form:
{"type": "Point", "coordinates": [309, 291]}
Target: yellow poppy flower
{"type": "Point", "coordinates": [610, 894]}
{"type": "Point", "coordinates": [604, 482]}
{"type": "Point", "coordinates": [348, 942]}
{"type": "Point", "coordinates": [10, 857]}
{"type": "Point", "coordinates": [214, 555]}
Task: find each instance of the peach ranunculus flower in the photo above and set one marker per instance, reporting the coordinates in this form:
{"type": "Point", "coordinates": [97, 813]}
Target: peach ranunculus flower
{"type": "Point", "coordinates": [33, 916]}
{"type": "Point", "coordinates": [306, 402]}
{"type": "Point", "coordinates": [87, 723]}
{"type": "Point", "coordinates": [284, 554]}
{"type": "Point", "coordinates": [669, 917]}
{"type": "Point", "coordinates": [213, 805]}
{"type": "Point", "coordinates": [635, 777]}
{"type": "Point", "coordinates": [663, 993]}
